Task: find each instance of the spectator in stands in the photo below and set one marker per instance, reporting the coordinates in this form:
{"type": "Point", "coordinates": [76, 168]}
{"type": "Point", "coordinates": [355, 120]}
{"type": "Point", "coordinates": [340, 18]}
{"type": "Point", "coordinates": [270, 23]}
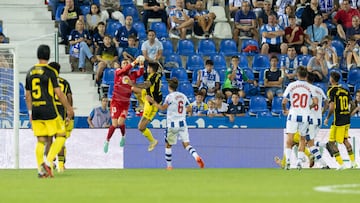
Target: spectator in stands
{"type": "Point", "coordinates": [258, 5]}
{"type": "Point", "coordinates": [111, 9]}
{"type": "Point", "coordinates": [284, 17]}
{"type": "Point", "coordinates": [220, 106]}
{"type": "Point", "coordinates": [289, 64]}
{"type": "Point", "coordinates": [4, 63]}
{"type": "Point", "coordinates": [208, 81]}
{"type": "Point", "coordinates": [70, 15]}
{"type": "Point", "coordinates": [281, 5]}
{"type": "Point", "coordinates": [272, 37]}
{"type": "Point", "coordinates": [180, 21]}
{"type": "Point", "coordinates": [355, 105]}
{"type": "Point", "coordinates": [153, 9]}
{"type": "Point", "coordinates": [235, 79]}
{"type": "Point", "coordinates": [79, 41]}
{"type": "Point", "coordinates": [212, 111]}
{"type": "Point", "coordinates": [318, 66]}
{"type": "Point", "coordinates": [273, 80]}
{"type": "Point", "coordinates": [152, 48]}
{"type": "Point", "coordinates": [245, 23]}
{"type": "Point", "coordinates": [198, 107]}
{"type": "Point", "coordinates": [107, 55]}
{"type": "Point", "coordinates": [354, 30]}
{"type": "Point", "coordinates": [121, 35]}
{"type": "Point", "coordinates": [93, 18]}
{"type": "Point", "coordinates": [328, 8]}
{"type": "Point", "coordinates": [315, 33]}
{"type": "Point", "coordinates": [132, 51]}
{"type": "Point", "coordinates": [190, 4]}
{"type": "Point", "coordinates": [3, 38]}
{"type": "Point", "coordinates": [343, 18]}
{"type": "Point", "coordinates": [100, 116]}
{"type": "Point", "coordinates": [98, 36]}
{"type": "Point", "coordinates": [55, 3]}
{"type": "Point", "coordinates": [309, 13]}
{"type": "Point", "coordinates": [351, 53]}
{"type": "Point", "coordinates": [265, 12]}
{"type": "Point", "coordinates": [294, 36]}
{"type": "Point", "coordinates": [234, 6]}
{"type": "Point", "coordinates": [171, 4]}
{"type": "Point", "coordinates": [235, 108]}
{"type": "Point", "coordinates": [331, 56]}
{"type": "Point", "coordinates": [203, 20]}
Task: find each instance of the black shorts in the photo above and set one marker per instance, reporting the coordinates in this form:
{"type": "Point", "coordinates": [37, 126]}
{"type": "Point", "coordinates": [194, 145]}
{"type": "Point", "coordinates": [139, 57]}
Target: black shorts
{"type": "Point", "coordinates": [273, 48]}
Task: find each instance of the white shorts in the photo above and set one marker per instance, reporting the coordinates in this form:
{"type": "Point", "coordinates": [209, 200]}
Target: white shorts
{"type": "Point", "coordinates": [180, 133]}
{"type": "Point", "coordinates": [293, 127]}
{"type": "Point", "coordinates": [313, 131]}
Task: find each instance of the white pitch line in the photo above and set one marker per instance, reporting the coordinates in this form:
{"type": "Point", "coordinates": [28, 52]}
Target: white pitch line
{"type": "Point", "coordinates": [342, 189]}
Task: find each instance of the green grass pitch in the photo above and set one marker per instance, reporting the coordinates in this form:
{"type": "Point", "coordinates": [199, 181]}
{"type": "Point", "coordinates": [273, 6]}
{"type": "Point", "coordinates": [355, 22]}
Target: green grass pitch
{"type": "Point", "coordinates": [179, 185]}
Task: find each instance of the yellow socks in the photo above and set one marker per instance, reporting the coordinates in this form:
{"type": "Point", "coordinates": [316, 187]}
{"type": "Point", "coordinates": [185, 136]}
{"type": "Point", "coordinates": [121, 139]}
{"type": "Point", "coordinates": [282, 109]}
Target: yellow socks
{"type": "Point", "coordinates": [55, 149]}
{"type": "Point", "coordinates": [147, 133]}
{"type": "Point", "coordinates": [39, 152]}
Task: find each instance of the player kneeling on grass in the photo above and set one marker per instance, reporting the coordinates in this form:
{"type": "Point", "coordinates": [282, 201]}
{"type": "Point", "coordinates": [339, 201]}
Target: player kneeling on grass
{"type": "Point", "coordinates": [176, 104]}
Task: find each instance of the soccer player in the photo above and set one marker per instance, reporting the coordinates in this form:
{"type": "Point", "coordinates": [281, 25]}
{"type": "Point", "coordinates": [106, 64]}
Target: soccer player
{"type": "Point", "coordinates": [299, 93]}
{"type": "Point", "coordinates": [339, 130]}
{"type": "Point", "coordinates": [41, 87]}
{"type": "Point", "coordinates": [120, 102]}
{"type": "Point", "coordinates": [176, 104]}
{"type": "Point", "coordinates": [69, 124]}
{"type": "Point", "coordinates": [151, 87]}
{"type": "Point", "coordinates": [316, 120]}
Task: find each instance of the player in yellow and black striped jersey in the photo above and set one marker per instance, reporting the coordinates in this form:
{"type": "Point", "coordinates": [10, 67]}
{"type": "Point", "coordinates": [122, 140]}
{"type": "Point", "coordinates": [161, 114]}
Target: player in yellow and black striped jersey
{"type": "Point", "coordinates": [41, 88]}
{"type": "Point", "coordinates": [339, 131]}
{"type": "Point", "coordinates": [152, 88]}
{"type": "Point", "coordinates": [69, 124]}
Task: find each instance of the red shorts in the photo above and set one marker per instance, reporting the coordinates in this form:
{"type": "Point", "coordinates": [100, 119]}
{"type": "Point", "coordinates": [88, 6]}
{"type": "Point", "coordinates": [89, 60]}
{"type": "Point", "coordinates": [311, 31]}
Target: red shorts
{"type": "Point", "coordinates": [118, 109]}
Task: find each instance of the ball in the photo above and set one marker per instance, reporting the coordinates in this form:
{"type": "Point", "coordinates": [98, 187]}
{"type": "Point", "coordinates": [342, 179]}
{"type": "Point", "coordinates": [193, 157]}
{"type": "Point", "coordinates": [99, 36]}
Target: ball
{"type": "Point", "coordinates": [125, 79]}
{"type": "Point", "coordinates": [141, 59]}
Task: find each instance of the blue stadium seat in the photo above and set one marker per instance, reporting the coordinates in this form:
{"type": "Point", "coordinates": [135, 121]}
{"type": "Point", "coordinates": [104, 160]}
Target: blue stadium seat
{"type": "Point", "coordinates": [299, 12]}
{"type": "Point", "coordinates": [194, 77]}
{"type": "Point", "coordinates": [322, 85]}
{"type": "Point", "coordinates": [219, 61]}
{"type": "Point", "coordinates": [111, 27]}
{"type": "Point", "coordinates": [222, 75]}
{"type": "Point", "coordinates": [85, 9]}
{"type": "Point", "coordinates": [160, 29]}
{"type": "Point", "coordinates": [344, 85]}
{"type": "Point", "coordinates": [180, 74]}
{"type": "Point", "coordinates": [304, 59]}
{"type": "Point", "coordinates": [245, 43]}
{"type": "Point", "coordinates": [108, 76]}
{"type": "Point", "coordinates": [131, 11]}
{"type": "Point", "coordinates": [228, 47]}
{"type": "Point", "coordinates": [23, 108]}
{"type": "Point", "coordinates": [339, 47]}
{"type": "Point", "coordinates": [194, 62]}
{"type": "Point", "coordinates": [356, 87]}
{"type": "Point", "coordinates": [206, 47]}
{"type": "Point", "coordinates": [164, 88]}
{"type": "Point", "coordinates": [260, 62]}
{"type": "Point", "coordinates": [185, 47]}
{"type": "Point", "coordinates": [21, 90]}
{"type": "Point", "coordinates": [249, 73]}
{"type": "Point", "coordinates": [110, 91]}
{"type": "Point", "coordinates": [353, 76]}
{"type": "Point", "coordinates": [243, 61]}
{"type": "Point", "coordinates": [126, 3]}
{"type": "Point", "coordinates": [167, 47]}
{"type": "Point", "coordinates": [173, 58]}
{"type": "Point", "coordinates": [140, 28]}
{"type": "Point", "coordinates": [258, 106]}
{"type": "Point", "coordinates": [276, 106]}
{"type": "Point", "coordinates": [59, 12]}
{"type": "Point", "coordinates": [186, 88]}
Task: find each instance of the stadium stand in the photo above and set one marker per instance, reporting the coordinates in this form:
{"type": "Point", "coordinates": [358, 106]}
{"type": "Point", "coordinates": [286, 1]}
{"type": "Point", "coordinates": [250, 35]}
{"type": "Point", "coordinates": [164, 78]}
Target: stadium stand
{"type": "Point", "coordinates": [206, 47]}
{"type": "Point", "coordinates": [228, 47]}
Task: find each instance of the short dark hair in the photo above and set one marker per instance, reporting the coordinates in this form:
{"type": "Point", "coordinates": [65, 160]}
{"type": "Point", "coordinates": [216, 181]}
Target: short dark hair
{"type": "Point", "coordinates": [302, 71]}
{"type": "Point", "coordinates": [235, 57]}
{"type": "Point", "coordinates": [154, 66]}
{"type": "Point", "coordinates": [335, 76]}
{"type": "Point", "coordinates": [43, 52]}
{"type": "Point", "coordinates": [209, 62]}
{"type": "Point", "coordinates": [310, 77]}
{"type": "Point", "coordinates": [173, 83]}
{"type": "Point", "coordinates": [55, 65]}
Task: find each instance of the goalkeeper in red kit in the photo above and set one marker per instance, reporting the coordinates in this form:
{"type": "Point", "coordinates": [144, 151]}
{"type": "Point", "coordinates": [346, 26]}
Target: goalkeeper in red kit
{"type": "Point", "coordinates": [120, 101]}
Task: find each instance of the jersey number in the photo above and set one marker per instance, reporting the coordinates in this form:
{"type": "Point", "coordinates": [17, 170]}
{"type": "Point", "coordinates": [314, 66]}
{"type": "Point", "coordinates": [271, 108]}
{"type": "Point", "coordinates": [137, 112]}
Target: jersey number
{"type": "Point", "coordinates": [36, 89]}
{"type": "Point", "coordinates": [300, 100]}
{"type": "Point", "coordinates": [62, 87]}
{"type": "Point", "coordinates": [344, 103]}
{"type": "Point", "coordinates": [180, 107]}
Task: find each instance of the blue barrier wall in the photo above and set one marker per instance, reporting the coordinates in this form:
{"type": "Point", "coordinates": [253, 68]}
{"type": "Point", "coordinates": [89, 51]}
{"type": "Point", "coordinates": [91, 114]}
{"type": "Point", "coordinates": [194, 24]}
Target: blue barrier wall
{"type": "Point", "coordinates": [220, 148]}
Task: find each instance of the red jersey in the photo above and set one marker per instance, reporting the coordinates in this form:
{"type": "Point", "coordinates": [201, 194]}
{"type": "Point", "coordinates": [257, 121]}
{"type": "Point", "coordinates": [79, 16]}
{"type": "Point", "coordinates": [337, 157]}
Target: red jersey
{"type": "Point", "coordinates": [122, 92]}
{"type": "Point", "coordinates": [345, 18]}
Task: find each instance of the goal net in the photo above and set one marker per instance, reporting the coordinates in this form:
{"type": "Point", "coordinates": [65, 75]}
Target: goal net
{"type": "Point", "coordinates": [11, 95]}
